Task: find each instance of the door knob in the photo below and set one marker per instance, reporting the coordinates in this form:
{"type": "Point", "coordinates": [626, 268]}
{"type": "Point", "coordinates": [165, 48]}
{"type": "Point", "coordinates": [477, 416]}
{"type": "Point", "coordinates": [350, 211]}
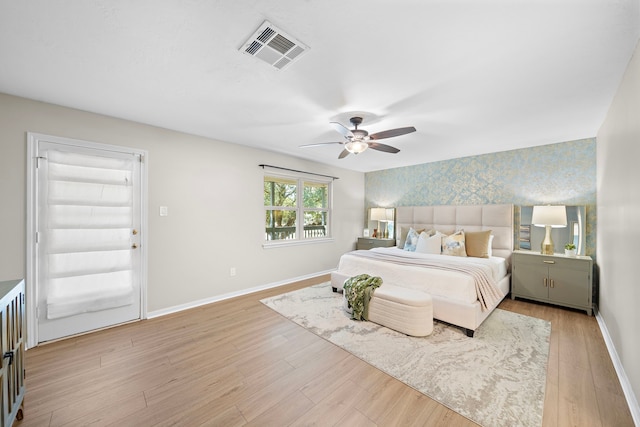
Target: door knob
{"type": "Point", "coordinates": [134, 232]}
{"type": "Point", "coordinates": [134, 246]}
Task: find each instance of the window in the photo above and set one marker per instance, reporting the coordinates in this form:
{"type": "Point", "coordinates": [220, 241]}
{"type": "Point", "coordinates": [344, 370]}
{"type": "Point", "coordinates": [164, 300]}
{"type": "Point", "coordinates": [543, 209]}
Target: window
{"type": "Point", "coordinates": [297, 208]}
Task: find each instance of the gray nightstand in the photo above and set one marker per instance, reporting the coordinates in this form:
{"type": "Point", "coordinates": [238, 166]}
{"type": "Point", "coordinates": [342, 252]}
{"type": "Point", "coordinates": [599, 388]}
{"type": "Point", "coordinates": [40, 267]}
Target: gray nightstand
{"type": "Point", "coordinates": [372, 242]}
{"type": "Point", "coordinates": [555, 279]}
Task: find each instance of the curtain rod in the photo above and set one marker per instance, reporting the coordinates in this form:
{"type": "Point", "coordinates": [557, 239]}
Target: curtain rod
{"type": "Point", "coordinates": [294, 170]}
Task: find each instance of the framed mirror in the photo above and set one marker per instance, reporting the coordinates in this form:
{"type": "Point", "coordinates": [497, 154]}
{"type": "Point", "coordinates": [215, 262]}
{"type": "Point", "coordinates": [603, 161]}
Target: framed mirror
{"type": "Point", "coordinates": [530, 237]}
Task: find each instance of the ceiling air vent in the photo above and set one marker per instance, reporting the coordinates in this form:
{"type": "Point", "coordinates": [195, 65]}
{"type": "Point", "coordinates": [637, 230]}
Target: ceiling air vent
{"type": "Point", "coordinates": [273, 46]}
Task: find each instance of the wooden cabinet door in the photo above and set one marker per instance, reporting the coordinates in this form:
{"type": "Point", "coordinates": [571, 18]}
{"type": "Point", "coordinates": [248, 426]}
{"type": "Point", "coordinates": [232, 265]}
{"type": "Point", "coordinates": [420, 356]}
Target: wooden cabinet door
{"type": "Point", "coordinates": [530, 280]}
{"type": "Point", "coordinates": [569, 286]}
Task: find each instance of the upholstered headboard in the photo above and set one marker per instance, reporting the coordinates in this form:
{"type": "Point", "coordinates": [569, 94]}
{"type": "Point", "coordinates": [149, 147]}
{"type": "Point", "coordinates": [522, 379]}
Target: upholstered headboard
{"type": "Point", "coordinates": [448, 219]}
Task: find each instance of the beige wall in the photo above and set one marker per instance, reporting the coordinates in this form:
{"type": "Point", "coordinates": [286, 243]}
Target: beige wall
{"type": "Point", "coordinates": [618, 151]}
{"type": "Point", "coordinates": [214, 194]}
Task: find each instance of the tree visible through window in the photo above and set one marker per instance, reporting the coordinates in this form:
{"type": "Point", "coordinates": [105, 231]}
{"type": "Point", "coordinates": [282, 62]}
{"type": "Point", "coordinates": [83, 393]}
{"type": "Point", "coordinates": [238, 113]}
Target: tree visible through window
{"type": "Point", "coordinates": [291, 217]}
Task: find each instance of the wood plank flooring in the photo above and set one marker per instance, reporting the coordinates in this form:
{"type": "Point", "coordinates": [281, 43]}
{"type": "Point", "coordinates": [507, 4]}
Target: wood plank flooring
{"type": "Point", "coordinates": [238, 363]}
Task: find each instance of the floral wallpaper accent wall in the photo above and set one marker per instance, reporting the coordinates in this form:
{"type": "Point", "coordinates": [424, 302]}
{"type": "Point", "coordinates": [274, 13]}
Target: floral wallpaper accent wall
{"type": "Point", "coordinates": [563, 173]}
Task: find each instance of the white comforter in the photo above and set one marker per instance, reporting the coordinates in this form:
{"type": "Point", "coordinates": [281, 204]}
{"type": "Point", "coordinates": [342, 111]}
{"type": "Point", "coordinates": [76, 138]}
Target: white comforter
{"type": "Point", "coordinates": [448, 284]}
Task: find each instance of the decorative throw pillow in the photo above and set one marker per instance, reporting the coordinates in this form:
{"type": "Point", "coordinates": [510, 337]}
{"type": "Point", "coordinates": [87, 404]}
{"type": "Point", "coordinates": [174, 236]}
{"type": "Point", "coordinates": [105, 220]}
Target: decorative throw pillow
{"type": "Point", "coordinates": [402, 236]}
{"type": "Point", "coordinates": [429, 232]}
{"type": "Point", "coordinates": [411, 241]}
{"type": "Point", "coordinates": [454, 244]}
{"type": "Point", "coordinates": [477, 243]}
{"type": "Point", "coordinates": [429, 244]}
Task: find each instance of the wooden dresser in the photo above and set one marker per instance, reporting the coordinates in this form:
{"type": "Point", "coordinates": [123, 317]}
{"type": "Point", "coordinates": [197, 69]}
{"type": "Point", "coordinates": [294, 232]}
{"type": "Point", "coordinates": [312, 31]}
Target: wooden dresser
{"type": "Point", "coordinates": [12, 337]}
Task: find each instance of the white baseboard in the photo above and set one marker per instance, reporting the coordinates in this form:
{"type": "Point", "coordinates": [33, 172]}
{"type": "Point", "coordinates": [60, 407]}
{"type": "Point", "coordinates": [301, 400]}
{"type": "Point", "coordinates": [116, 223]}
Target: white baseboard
{"type": "Point", "coordinates": [198, 303]}
{"type": "Point", "coordinates": [632, 401]}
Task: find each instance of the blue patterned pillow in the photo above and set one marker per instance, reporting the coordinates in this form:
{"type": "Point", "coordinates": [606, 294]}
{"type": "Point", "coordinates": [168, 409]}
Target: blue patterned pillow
{"type": "Point", "coordinates": [454, 244]}
{"type": "Point", "coordinates": [411, 240]}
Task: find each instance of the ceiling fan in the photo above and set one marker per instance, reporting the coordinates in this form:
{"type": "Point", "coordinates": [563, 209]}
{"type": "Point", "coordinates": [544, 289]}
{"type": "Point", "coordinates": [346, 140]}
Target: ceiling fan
{"type": "Point", "coordinates": [358, 140]}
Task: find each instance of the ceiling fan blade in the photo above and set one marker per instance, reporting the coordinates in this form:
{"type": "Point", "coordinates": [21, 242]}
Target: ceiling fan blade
{"type": "Point", "coordinates": [383, 147]}
{"type": "Point", "coordinates": [317, 144]}
{"type": "Point", "coordinates": [341, 129]}
{"type": "Point", "coordinates": [392, 132]}
{"type": "Point", "coordinates": [344, 154]}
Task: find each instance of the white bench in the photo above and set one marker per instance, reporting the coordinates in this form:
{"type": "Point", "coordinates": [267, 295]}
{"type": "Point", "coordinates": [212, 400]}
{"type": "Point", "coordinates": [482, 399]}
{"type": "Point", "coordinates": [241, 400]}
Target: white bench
{"type": "Point", "coordinates": [402, 309]}
{"type": "Point", "coordinates": [337, 280]}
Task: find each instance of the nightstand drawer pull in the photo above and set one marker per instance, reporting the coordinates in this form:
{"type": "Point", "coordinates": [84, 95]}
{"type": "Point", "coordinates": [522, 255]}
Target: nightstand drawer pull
{"type": "Point", "coordinates": [552, 284]}
{"type": "Point", "coordinates": [549, 262]}
{"type": "Point", "coordinates": [545, 282]}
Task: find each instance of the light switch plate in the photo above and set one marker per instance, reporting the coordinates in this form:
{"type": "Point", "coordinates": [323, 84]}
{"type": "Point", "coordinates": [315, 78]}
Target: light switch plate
{"type": "Point", "coordinates": [164, 211]}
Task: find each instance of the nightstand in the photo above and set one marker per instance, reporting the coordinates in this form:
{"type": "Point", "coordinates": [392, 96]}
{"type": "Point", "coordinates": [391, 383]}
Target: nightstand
{"type": "Point", "coordinates": [554, 279]}
{"type": "Point", "coordinates": [372, 242]}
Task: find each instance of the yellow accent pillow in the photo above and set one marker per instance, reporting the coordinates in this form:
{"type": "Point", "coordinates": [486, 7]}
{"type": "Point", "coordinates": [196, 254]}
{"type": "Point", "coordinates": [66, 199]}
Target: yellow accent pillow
{"type": "Point", "coordinates": [477, 243]}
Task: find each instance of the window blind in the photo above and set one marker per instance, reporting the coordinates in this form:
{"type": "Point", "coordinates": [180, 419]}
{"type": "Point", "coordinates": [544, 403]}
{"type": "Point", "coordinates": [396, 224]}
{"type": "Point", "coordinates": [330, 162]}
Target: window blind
{"type": "Point", "coordinates": [86, 239]}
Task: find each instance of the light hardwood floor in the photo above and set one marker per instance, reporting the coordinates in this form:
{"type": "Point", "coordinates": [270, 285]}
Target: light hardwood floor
{"type": "Point", "coordinates": [237, 363]}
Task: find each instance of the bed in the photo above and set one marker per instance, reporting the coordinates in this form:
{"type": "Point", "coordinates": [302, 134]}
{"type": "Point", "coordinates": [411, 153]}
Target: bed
{"type": "Point", "coordinates": [457, 299]}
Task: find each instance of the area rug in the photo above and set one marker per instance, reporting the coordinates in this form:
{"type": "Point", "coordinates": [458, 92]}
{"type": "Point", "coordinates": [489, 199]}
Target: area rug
{"type": "Point", "coordinates": [496, 378]}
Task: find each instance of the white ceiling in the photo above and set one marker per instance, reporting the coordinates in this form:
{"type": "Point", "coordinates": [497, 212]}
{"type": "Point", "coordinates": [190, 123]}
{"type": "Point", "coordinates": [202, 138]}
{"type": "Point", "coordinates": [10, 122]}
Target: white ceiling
{"type": "Point", "coordinates": [473, 76]}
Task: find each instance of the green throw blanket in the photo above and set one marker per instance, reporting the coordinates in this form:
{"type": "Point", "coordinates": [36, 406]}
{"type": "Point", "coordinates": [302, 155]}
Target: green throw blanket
{"type": "Point", "coordinates": [358, 291]}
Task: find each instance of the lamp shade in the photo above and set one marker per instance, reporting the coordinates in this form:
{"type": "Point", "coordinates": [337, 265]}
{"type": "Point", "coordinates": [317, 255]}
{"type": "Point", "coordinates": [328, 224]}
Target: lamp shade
{"type": "Point", "coordinates": [378, 214]}
{"type": "Point", "coordinates": [554, 216]}
{"type": "Point", "coordinates": [390, 214]}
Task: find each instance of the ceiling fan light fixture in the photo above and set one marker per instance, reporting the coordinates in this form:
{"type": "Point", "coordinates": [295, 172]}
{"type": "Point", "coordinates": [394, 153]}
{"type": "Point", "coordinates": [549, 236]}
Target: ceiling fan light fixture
{"type": "Point", "coordinates": [360, 133]}
{"type": "Point", "coordinates": [356, 146]}
{"type": "Point", "coordinates": [358, 140]}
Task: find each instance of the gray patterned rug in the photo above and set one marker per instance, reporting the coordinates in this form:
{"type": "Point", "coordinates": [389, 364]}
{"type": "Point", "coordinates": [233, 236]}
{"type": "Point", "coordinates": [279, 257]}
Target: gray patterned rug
{"type": "Point", "coordinates": [496, 378]}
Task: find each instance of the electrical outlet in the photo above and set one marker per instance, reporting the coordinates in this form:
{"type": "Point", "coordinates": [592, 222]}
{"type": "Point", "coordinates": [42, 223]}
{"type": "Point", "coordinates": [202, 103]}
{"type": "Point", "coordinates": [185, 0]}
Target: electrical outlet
{"type": "Point", "coordinates": [232, 271]}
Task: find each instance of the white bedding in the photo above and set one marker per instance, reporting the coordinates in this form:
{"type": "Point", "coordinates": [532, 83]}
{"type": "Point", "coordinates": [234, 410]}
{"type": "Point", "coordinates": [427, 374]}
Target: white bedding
{"type": "Point", "coordinates": [448, 284]}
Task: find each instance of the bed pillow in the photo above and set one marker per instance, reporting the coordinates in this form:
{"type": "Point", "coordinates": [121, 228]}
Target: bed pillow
{"type": "Point", "coordinates": [478, 243]}
{"type": "Point", "coordinates": [454, 244]}
{"type": "Point", "coordinates": [411, 240]}
{"type": "Point", "coordinates": [429, 244]}
{"type": "Point", "coordinates": [402, 235]}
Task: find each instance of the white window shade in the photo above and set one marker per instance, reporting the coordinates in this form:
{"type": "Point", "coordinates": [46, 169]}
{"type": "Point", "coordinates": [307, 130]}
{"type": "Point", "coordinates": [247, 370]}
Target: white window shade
{"type": "Point", "coordinates": [87, 235]}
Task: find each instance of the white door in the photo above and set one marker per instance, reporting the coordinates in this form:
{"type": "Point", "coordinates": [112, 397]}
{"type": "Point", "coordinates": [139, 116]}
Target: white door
{"type": "Point", "coordinates": [88, 236]}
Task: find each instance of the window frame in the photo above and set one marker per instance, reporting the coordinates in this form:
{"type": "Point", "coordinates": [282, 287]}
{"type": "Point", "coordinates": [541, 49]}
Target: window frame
{"type": "Point", "coordinates": [301, 179]}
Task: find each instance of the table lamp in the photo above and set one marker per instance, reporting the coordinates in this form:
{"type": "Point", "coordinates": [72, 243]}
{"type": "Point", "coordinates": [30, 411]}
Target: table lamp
{"type": "Point", "coordinates": [549, 217]}
{"type": "Point", "coordinates": [378, 214]}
